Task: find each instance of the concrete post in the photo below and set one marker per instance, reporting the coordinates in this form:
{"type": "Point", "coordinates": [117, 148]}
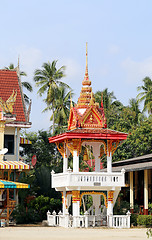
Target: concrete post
{"type": "Point", "coordinates": [109, 162]}
{"type": "Point", "coordinates": [75, 161]}
{"type": "Point", "coordinates": [128, 219]}
{"type": "Point", "coordinates": [65, 163]}
{"type": "Point", "coordinates": [75, 206]}
{"type": "Point", "coordinates": [64, 202]}
{"type": "Point", "coordinates": [146, 192]}
{"type": "Point", "coordinates": [66, 219]}
{"type": "Point", "coordinates": [54, 218]}
{"type": "Point", "coordinates": [131, 193]}
{"type": "Point", "coordinates": [86, 214]}
{"type": "Point", "coordinates": [110, 203]}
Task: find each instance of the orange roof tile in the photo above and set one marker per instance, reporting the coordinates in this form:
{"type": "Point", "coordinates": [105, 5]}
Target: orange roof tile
{"type": "Point", "coordinates": [9, 82]}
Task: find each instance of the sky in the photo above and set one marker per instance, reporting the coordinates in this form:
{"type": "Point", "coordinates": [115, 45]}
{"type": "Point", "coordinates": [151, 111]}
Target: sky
{"type": "Point", "coordinates": [119, 36]}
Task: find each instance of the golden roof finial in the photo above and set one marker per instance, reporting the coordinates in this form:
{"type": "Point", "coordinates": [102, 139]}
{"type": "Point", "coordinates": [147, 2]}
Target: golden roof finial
{"type": "Point", "coordinates": [86, 77]}
{"type": "Point", "coordinates": [86, 56]}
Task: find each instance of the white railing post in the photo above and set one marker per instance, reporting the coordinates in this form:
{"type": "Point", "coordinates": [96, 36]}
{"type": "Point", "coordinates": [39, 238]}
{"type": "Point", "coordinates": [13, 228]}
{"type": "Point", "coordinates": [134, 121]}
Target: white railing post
{"type": "Point", "coordinates": [59, 214]}
{"type": "Point", "coordinates": [48, 214]}
{"type": "Point", "coordinates": [54, 218]}
{"type": "Point", "coordinates": [128, 219]}
{"type": "Point", "coordinates": [86, 215]}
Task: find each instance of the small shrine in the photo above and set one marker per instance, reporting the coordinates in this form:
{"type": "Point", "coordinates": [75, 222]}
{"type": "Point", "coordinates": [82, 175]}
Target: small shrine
{"type": "Point", "coordinates": [87, 129]}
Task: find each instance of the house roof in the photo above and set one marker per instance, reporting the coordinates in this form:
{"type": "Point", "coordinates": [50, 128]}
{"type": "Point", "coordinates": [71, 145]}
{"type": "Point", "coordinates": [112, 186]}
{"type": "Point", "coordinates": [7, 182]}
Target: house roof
{"type": "Point", "coordinates": [9, 81]}
{"type": "Point", "coordinates": [133, 164]}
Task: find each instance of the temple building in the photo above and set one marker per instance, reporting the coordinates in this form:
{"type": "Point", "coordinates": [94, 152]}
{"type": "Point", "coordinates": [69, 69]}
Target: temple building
{"type": "Point", "coordinates": [87, 129]}
{"type": "Point", "coordinates": [13, 117]}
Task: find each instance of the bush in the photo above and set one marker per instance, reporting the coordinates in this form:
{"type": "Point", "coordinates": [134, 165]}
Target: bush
{"type": "Point", "coordinates": [36, 210]}
{"type": "Point", "coordinates": [144, 220]}
{"type": "Point", "coordinates": [133, 219]}
{"type": "Point", "coordinates": [23, 215]}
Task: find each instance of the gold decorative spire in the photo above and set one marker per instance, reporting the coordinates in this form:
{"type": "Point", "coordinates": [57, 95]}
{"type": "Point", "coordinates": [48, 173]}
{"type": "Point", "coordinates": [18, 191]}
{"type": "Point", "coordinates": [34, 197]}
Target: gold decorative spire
{"type": "Point", "coordinates": [86, 81]}
{"type": "Point", "coordinates": [85, 94]}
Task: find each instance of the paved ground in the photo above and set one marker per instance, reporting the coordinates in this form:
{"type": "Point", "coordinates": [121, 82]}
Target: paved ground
{"type": "Point", "coordinates": [51, 233]}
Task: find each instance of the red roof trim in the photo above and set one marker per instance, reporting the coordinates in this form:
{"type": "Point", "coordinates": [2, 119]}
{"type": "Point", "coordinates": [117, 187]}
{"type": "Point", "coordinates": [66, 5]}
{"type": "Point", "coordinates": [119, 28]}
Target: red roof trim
{"type": "Point", "coordinates": [97, 136]}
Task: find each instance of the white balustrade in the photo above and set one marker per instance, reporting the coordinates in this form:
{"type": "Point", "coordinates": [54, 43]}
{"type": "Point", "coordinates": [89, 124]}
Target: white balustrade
{"type": "Point", "coordinates": [88, 179]}
{"type": "Point", "coordinates": [119, 221]}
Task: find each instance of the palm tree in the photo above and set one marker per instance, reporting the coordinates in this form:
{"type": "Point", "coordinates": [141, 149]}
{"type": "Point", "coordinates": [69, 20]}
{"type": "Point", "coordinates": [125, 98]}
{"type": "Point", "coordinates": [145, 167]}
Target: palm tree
{"type": "Point", "coordinates": [61, 109]}
{"type": "Point", "coordinates": [25, 84]}
{"type": "Point", "coordinates": [134, 106]}
{"type": "Point", "coordinates": [49, 79]}
{"type": "Point", "coordinates": [146, 94]}
{"type": "Point", "coordinates": [108, 98]}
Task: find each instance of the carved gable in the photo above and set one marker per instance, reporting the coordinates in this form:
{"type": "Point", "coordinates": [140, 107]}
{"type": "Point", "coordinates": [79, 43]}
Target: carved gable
{"type": "Point", "coordinates": [92, 118]}
{"type": "Point", "coordinates": [72, 120]}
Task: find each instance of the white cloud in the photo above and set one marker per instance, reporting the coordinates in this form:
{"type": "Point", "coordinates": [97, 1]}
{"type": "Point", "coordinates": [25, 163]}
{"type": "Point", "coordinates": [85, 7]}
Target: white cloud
{"type": "Point", "coordinates": [137, 70]}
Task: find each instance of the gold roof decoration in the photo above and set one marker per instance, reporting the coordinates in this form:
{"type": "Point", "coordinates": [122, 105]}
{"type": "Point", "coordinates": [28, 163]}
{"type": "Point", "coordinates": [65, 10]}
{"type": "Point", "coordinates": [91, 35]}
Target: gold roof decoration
{"type": "Point", "coordinates": [85, 95]}
{"type": "Point", "coordinates": [7, 106]}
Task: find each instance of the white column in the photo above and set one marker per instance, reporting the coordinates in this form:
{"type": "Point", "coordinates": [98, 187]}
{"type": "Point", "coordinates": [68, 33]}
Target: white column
{"type": "Point", "coordinates": [96, 153]}
{"type": "Point", "coordinates": [76, 208]}
{"type": "Point", "coordinates": [65, 163]}
{"type": "Point", "coordinates": [64, 203]}
{"type": "Point", "coordinates": [110, 203]}
{"type": "Point", "coordinates": [75, 161]}
{"type": "Point", "coordinates": [109, 162]}
{"type": "Point", "coordinates": [146, 192]}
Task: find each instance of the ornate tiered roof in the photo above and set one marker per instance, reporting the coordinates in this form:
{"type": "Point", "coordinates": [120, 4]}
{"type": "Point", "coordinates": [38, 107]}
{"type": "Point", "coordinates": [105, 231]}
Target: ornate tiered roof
{"type": "Point", "coordinates": [86, 113]}
{"type": "Point", "coordinates": [87, 120]}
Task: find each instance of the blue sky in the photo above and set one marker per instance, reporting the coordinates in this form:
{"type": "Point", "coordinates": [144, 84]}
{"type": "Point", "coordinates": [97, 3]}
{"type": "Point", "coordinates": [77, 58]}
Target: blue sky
{"type": "Point", "coordinates": [119, 36]}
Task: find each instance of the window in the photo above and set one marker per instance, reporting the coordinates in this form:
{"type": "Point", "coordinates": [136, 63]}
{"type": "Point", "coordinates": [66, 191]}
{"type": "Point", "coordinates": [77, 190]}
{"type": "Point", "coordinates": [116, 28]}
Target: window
{"type": "Point", "coordinates": [9, 143]}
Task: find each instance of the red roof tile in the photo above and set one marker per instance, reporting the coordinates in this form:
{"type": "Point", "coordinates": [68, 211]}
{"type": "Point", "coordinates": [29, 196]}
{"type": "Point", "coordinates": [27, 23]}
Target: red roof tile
{"type": "Point", "coordinates": [9, 82]}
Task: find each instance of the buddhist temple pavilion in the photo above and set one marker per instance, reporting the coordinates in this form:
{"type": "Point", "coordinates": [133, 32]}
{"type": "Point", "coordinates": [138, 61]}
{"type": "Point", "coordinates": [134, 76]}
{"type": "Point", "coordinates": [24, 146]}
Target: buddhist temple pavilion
{"type": "Point", "coordinates": [87, 128]}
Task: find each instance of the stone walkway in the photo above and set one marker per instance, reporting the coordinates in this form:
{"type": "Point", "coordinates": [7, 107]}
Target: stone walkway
{"type": "Point", "coordinates": [52, 233]}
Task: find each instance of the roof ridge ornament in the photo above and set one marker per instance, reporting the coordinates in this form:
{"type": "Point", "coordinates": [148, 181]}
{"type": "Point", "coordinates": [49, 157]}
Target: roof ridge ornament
{"type": "Point", "coordinates": [86, 80]}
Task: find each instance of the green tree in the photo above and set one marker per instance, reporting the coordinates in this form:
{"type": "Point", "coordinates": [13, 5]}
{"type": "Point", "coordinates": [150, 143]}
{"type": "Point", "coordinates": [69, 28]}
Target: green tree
{"type": "Point", "coordinates": [138, 143]}
{"type": "Point", "coordinates": [49, 79]}
{"type": "Point", "coordinates": [146, 94]}
{"type": "Point", "coordinates": [25, 84]}
{"type": "Point", "coordinates": [62, 109]}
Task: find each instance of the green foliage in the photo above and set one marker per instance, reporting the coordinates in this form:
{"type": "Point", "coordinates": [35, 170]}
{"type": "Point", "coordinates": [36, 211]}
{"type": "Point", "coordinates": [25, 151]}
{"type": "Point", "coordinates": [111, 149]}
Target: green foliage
{"type": "Point", "coordinates": [146, 94]}
{"type": "Point", "coordinates": [22, 214]}
{"type": "Point", "coordinates": [149, 232]}
{"type": "Point", "coordinates": [42, 204]}
{"type": "Point", "coordinates": [133, 219]}
{"type": "Point", "coordinates": [121, 207]}
{"type": "Point", "coordinates": [36, 210]}
{"type": "Point", "coordinates": [138, 142]}
{"type": "Point", "coordinates": [144, 220]}
{"type": "Point", "coordinates": [49, 80]}
{"type": "Point", "coordinates": [150, 208]}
